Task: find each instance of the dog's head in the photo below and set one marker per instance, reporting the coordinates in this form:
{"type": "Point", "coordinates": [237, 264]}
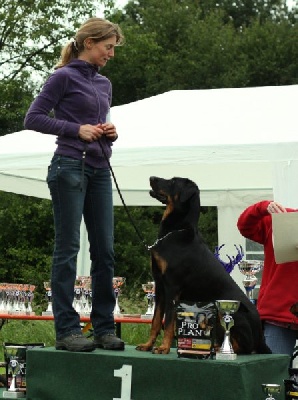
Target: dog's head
{"type": "Point", "coordinates": [176, 191]}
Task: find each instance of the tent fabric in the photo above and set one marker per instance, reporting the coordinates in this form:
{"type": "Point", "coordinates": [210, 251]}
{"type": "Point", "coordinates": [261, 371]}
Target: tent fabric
{"type": "Point", "coordinates": [224, 139]}
{"type": "Point", "coordinates": [239, 145]}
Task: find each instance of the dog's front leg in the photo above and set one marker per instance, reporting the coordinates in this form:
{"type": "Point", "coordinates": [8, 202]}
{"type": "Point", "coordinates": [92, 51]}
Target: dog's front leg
{"type": "Point", "coordinates": [154, 332]}
{"type": "Point", "coordinates": [169, 327]}
{"type": "Point", "coordinates": [164, 348]}
{"type": "Point", "coordinates": [159, 309]}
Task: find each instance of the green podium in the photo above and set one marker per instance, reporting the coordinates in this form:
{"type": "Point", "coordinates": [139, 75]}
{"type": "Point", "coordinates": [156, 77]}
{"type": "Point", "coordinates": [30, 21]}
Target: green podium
{"type": "Point", "coordinates": [134, 375]}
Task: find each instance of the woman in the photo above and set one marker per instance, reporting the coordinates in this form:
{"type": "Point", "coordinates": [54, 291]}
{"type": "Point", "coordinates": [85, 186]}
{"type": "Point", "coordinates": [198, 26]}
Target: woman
{"type": "Point", "coordinates": [278, 290]}
{"type": "Point", "coordinates": [79, 179]}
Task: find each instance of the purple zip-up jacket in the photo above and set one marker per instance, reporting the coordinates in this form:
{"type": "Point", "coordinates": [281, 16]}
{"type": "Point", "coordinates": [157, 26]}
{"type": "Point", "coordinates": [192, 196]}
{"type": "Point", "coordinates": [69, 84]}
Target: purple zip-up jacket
{"type": "Point", "coordinates": [78, 95]}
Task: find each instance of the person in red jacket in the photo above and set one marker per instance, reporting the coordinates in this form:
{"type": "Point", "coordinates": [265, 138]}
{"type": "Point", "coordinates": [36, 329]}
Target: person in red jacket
{"type": "Point", "coordinates": [279, 285]}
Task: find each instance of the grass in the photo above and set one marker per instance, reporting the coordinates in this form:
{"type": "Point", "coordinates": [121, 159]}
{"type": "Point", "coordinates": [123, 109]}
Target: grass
{"type": "Point", "coordinates": [19, 331]}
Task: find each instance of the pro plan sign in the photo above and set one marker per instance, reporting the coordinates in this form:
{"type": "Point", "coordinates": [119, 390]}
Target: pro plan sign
{"type": "Point", "coordinates": [196, 329]}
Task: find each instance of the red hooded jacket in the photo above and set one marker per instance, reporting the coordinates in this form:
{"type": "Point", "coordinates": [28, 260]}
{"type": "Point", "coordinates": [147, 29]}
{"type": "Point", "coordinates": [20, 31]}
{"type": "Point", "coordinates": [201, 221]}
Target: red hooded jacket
{"type": "Point", "coordinates": [279, 286]}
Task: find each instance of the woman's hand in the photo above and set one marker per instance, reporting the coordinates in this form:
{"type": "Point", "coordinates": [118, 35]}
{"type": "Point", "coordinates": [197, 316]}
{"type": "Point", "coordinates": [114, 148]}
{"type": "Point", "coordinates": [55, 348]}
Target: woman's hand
{"type": "Point", "coordinates": [90, 133]}
{"type": "Point", "coordinates": [275, 207]}
{"type": "Point", "coordinates": [110, 131]}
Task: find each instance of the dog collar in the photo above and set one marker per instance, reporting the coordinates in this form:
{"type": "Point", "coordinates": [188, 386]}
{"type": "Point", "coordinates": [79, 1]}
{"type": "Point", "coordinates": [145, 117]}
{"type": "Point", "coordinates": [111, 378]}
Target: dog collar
{"type": "Point", "coordinates": [157, 241]}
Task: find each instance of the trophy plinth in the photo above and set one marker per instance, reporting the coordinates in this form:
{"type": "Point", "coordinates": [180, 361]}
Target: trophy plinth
{"type": "Point", "coordinates": [269, 389]}
{"type": "Point", "coordinates": [226, 309]}
{"type": "Point", "coordinates": [13, 395]}
{"type": "Point", "coordinates": [249, 269]}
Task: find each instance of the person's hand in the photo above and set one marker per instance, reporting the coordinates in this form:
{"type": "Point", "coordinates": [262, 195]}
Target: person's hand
{"type": "Point", "coordinates": [110, 131]}
{"type": "Point", "coordinates": [90, 133]}
{"type": "Point", "coordinates": [275, 207]}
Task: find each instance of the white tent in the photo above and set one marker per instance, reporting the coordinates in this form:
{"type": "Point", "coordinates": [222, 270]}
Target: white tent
{"type": "Point", "coordinates": [239, 145]}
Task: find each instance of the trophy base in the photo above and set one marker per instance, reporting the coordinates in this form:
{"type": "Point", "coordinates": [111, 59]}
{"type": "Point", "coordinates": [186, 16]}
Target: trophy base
{"type": "Point", "coordinates": [147, 316]}
{"type": "Point", "coordinates": [225, 356]}
{"type": "Point", "coordinates": [13, 395]}
{"type": "Point", "coordinates": [47, 313]}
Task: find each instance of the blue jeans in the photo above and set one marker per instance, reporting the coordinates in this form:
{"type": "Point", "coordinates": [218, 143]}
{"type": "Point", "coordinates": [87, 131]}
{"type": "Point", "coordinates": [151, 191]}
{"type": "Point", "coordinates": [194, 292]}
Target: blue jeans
{"type": "Point", "coordinates": [78, 193]}
{"type": "Point", "coordinates": [280, 340]}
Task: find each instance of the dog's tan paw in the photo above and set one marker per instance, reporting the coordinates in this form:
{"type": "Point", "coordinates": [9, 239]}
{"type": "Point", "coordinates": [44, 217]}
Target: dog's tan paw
{"type": "Point", "coordinates": [161, 350]}
{"type": "Point", "coordinates": [144, 347]}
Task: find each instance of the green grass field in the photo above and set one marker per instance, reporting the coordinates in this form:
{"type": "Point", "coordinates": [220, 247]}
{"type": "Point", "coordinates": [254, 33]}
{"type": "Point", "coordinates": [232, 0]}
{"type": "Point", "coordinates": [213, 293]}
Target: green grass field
{"type": "Point", "coordinates": [21, 331]}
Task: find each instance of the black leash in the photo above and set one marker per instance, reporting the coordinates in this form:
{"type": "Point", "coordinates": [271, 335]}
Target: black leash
{"type": "Point", "coordinates": [148, 248]}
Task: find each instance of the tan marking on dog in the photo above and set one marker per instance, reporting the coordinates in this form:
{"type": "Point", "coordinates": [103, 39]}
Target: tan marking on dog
{"type": "Point", "coordinates": [161, 262]}
{"type": "Point", "coordinates": [235, 345]}
{"type": "Point", "coordinates": [169, 209]}
{"type": "Point", "coordinates": [154, 332]}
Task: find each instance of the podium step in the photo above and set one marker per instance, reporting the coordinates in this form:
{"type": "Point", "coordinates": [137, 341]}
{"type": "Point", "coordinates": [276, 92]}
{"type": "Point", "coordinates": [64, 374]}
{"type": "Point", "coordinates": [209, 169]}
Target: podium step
{"type": "Point", "coordinates": [134, 375]}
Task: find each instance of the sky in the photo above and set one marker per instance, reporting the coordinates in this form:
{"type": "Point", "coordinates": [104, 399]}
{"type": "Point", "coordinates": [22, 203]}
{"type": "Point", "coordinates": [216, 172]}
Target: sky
{"type": "Point", "coordinates": [122, 3]}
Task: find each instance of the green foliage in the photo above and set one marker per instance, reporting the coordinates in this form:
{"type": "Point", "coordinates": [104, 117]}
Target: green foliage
{"type": "Point", "coordinates": [189, 44]}
{"type": "Point", "coordinates": [16, 97]}
{"type": "Point", "coordinates": [27, 240]}
{"type": "Point", "coordinates": [33, 31]}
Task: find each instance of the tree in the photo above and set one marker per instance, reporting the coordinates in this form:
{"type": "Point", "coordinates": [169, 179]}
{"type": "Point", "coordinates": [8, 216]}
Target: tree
{"type": "Point", "coordinates": [187, 44]}
{"type": "Point", "coordinates": [33, 31]}
{"type": "Point", "coordinates": [16, 97]}
{"type": "Point", "coordinates": [26, 240]}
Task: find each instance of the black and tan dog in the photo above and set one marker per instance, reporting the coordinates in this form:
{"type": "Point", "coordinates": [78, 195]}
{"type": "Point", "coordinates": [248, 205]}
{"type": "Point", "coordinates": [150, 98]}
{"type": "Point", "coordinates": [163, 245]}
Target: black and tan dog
{"type": "Point", "coordinates": [184, 268]}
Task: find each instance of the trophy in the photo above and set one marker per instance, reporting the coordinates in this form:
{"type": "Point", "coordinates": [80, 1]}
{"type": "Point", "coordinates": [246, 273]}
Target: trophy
{"type": "Point", "coordinates": [118, 281]}
{"type": "Point", "coordinates": [226, 309]}
{"type": "Point", "coordinates": [149, 289]}
{"type": "Point", "coordinates": [86, 295]}
{"type": "Point", "coordinates": [49, 310]}
{"type": "Point", "coordinates": [29, 294]}
{"type": "Point", "coordinates": [14, 357]}
{"type": "Point", "coordinates": [269, 388]}
{"type": "Point", "coordinates": [249, 269]}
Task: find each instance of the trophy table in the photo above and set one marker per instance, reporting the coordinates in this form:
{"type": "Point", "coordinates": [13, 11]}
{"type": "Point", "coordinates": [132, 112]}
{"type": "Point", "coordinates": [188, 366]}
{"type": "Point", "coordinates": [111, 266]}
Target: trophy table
{"type": "Point", "coordinates": [226, 309]}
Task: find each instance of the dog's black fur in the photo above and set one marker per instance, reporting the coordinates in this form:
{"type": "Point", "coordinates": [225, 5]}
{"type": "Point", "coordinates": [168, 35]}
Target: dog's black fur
{"type": "Point", "coordinates": [184, 268]}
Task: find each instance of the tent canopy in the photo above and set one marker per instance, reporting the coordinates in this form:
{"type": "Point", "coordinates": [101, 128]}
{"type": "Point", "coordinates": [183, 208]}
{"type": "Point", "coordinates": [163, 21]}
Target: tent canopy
{"type": "Point", "coordinates": [226, 140]}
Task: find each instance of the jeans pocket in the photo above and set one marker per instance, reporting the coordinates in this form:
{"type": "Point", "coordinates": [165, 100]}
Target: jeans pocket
{"type": "Point", "coordinates": [52, 169]}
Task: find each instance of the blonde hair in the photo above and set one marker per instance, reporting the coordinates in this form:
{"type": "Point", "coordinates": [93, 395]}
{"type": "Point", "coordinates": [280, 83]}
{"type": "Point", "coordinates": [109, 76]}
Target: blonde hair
{"type": "Point", "coordinates": [97, 29]}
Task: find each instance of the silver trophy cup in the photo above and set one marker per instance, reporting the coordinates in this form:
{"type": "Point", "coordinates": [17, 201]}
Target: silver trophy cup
{"type": "Point", "coordinates": [14, 362]}
{"type": "Point", "coordinates": [269, 389]}
{"type": "Point", "coordinates": [249, 268]}
{"type": "Point", "coordinates": [118, 281]}
{"type": "Point", "coordinates": [149, 289]}
{"type": "Point", "coordinates": [226, 309]}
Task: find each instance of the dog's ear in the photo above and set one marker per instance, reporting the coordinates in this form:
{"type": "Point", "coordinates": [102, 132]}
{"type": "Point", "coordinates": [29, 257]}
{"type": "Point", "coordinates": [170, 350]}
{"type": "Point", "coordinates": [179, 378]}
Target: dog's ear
{"type": "Point", "coordinates": [188, 191]}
